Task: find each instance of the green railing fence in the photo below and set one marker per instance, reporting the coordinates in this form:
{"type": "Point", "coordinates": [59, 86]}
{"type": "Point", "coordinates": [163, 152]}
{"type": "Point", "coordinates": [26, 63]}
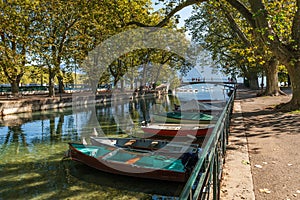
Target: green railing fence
{"type": "Point", "coordinates": [206, 176]}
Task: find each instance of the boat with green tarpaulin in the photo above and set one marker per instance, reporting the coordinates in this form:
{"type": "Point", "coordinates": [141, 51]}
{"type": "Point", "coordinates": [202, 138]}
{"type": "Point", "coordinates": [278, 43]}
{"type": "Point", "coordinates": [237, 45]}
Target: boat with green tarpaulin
{"type": "Point", "coordinates": [142, 164]}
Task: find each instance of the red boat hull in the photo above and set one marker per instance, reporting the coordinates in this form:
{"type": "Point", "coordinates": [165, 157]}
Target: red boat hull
{"type": "Point", "coordinates": [201, 132]}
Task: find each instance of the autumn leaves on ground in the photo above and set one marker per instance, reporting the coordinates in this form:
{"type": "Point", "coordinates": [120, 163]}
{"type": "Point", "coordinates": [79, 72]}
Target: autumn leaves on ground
{"type": "Point", "coordinates": [273, 146]}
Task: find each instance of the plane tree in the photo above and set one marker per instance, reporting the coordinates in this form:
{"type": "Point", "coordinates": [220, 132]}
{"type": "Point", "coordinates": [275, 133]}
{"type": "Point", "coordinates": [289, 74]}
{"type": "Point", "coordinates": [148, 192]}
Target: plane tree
{"type": "Point", "coordinates": [15, 39]}
{"type": "Point", "coordinates": [232, 43]}
{"type": "Point", "coordinates": [123, 12]}
{"type": "Point", "coordinates": [226, 46]}
{"type": "Point", "coordinates": [58, 23]}
{"type": "Point", "coordinates": [276, 24]}
{"type": "Point", "coordinates": [117, 15]}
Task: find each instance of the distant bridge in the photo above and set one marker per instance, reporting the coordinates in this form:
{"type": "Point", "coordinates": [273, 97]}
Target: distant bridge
{"type": "Point", "coordinates": [225, 83]}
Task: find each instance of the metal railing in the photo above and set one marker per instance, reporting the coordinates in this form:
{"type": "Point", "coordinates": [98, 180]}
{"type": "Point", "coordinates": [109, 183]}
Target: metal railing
{"type": "Point", "coordinates": [24, 88]}
{"type": "Point", "coordinates": [207, 173]}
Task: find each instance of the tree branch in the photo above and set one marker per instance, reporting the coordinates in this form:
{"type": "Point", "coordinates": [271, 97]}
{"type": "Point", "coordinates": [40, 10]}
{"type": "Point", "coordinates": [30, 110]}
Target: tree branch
{"type": "Point", "coordinates": [243, 10]}
{"type": "Point", "coordinates": [295, 26]}
{"type": "Point", "coordinates": [170, 14]}
{"type": "Point", "coordinates": [235, 27]}
{"type": "Point", "coordinates": [270, 38]}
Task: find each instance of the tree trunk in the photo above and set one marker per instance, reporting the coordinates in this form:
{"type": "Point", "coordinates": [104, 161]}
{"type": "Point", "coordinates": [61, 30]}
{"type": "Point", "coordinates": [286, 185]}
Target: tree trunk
{"type": "Point", "coordinates": [51, 83]}
{"type": "Point", "coordinates": [94, 85]}
{"type": "Point", "coordinates": [294, 73]}
{"type": "Point", "coordinates": [157, 74]}
{"type": "Point", "coordinates": [253, 81]}
{"type": "Point", "coordinates": [272, 87]}
{"type": "Point", "coordinates": [122, 85]}
{"type": "Point", "coordinates": [14, 87]}
{"type": "Point", "coordinates": [61, 86]}
{"type": "Point", "coordinates": [143, 79]}
{"type": "Point", "coordinates": [15, 84]}
{"type": "Point", "coordinates": [131, 84]}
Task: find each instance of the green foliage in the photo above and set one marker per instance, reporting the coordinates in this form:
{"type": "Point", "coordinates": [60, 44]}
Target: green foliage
{"type": "Point", "coordinates": [295, 112]}
{"type": "Point", "coordinates": [280, 13]}
{"type": "Point", "coordinates": [15, 38]}
{"type": "Point", "coordinates": [34, 74]}
{"type": "Point", "coordinates": [227, 35]}
{"type": "Point", "coordinates": [282, 74]}
{"type": "Point", "coordinates": [43, 41]}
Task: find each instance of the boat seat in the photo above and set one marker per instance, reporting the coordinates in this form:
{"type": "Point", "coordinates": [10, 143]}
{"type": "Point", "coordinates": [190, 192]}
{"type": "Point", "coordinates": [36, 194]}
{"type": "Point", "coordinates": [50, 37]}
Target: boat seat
{"type": "Point", "coordinates": [154, 143]}
{"type": "Point", "coordinates": [132, 160]}
{"type": "Point", "coordinates": [130, 142]}
{"type": "Point", "coordinates": [94, 153]}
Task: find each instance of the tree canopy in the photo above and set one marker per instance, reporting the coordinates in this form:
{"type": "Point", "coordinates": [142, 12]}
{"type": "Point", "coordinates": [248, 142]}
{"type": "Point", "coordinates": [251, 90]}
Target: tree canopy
{"type": "Point", "coordinates": [59, 35]}
{"type": "Point", "coordinates": [278, 31]}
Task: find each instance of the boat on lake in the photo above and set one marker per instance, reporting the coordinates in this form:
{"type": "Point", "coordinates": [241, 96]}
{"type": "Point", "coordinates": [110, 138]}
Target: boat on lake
{"type": "Point", "coordinates": [165, 129]}
{"type": "Point", "coordinates": [142, 164]}
{"type": "Point", "coordinates": [162, 146]}
{"type": "Point", "coordinates": [184, 117]}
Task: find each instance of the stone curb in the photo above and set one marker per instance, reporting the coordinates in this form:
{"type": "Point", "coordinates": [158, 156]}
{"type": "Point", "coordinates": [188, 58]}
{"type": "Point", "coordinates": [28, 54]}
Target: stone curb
{"type": "Point", "coordinates": [237, 180]}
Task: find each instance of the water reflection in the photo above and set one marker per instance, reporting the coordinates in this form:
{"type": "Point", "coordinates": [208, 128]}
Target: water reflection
{"type": "Point", "coordinates": [33, 144]}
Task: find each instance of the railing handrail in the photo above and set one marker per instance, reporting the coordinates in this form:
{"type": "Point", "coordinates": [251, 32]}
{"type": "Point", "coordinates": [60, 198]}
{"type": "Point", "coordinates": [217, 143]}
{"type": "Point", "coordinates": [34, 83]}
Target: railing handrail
{"type": "Point", "coordinates": [207, 153]}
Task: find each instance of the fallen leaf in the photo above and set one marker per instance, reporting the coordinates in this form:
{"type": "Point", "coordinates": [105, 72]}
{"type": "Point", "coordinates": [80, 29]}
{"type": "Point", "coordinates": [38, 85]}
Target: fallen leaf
{"type": "Point", "coordinates": [258, 166]}
{"type": "Point", "coordinates": [265, 190]}
{"type": "Point", "coordinates": [245, 162]}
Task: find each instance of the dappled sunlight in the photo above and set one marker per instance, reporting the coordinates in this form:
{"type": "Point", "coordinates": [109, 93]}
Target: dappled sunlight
{"type": "Point", "coordinates": [263, 123]}
{"type": "Point", "coordinates": [38, 172]}
{"type": "Point", "coordinates": [272, 142]}
{"type": "Point", "coordinates": [46, 195]}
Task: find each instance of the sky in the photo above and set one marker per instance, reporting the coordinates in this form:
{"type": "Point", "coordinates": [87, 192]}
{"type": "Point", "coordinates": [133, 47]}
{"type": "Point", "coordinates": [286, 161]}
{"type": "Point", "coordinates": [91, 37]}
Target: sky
{"type": "Point", "coordinates": [184, 14]}
{"type": "Point", "coordinates": [202, 69]}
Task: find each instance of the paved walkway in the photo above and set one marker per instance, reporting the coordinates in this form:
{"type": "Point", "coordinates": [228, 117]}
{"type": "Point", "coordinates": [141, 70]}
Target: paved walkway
{"type": "Point", "coordinates": [263, 160]}
{"type": "Point", "coordinates": [237, 184]}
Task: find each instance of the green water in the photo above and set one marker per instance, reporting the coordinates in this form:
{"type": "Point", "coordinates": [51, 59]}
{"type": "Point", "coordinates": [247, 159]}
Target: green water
{"type": "Point", "coordinates": [32, 147]}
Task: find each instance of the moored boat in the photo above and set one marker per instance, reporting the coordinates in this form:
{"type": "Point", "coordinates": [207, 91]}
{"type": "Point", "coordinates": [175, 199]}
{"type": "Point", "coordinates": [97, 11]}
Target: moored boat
{"type": "Point", "coordinates": [134, 163]}
{"type": "Point", "coordinates": [184, 117]}
{"type": "Point", "coordinates": [197, 130]}
{"type": "Point", "coordinates": [206, 107]}
{"type": "Point", "coordinates": [214, 103]}
{"type": "Point", "coordinates": [163, 146]}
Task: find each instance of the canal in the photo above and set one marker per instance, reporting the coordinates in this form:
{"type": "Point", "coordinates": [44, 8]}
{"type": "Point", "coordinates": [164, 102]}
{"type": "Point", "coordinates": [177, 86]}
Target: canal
{"type": "Point", "coordinates": [32, 147]}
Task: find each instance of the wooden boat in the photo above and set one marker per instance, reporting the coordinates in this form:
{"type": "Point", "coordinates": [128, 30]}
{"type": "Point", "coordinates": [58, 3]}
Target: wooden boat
{"type": "Point", "coordinates": [163, 146]}
{"type": "Point", "coordinates": [134, 163]}
{"type": "Point", "coordinates": [198, 106]}
{"type": "Point", "coordinates": [197, 130]}
{"type": "Point", "coordinates": [184, 117]}
{"type": "Point", "coordinates": [215, 103]}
